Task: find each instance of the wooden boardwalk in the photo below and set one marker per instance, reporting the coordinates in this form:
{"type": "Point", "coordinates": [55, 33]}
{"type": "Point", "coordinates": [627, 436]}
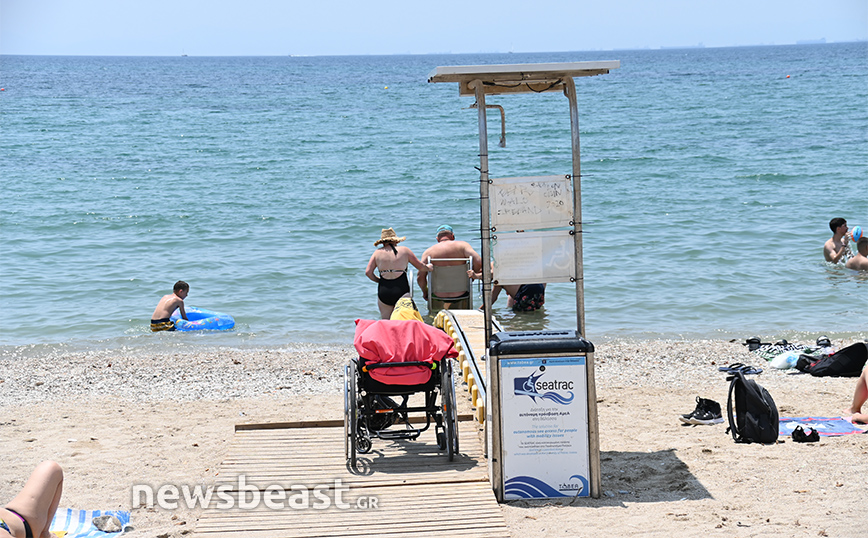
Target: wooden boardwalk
{"type": "Point", "coordinates": [401, 488]}
{"type": "Point", "coordinates": [472, 324]}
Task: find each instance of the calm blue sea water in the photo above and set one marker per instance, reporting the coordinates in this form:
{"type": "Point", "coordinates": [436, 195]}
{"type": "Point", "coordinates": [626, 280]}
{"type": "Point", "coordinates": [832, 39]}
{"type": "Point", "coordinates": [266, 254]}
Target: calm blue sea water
{"type": "Point", "coordinates": [709, 181]}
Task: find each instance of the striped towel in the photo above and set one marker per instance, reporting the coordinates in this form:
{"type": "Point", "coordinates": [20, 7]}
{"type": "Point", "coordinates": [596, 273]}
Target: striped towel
{"type": "Point", "coordinates": [825, 426]}
{"type": "Point", "coordinates": [69, 523]}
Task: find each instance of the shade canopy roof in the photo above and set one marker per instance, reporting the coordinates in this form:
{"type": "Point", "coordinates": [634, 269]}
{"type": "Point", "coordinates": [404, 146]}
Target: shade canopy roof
{"type": "Point", "coordinates": [519, 78]}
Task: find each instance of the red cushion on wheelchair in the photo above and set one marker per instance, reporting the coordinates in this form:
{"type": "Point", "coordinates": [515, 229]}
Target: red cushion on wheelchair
{"type": "Point", "coordinates": [388, 340]}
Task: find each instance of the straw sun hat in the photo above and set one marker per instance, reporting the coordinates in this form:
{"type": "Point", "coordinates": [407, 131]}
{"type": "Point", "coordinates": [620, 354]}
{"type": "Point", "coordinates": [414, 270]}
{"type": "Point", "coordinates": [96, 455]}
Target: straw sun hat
{"type": "Point", "coordinates": [388, 235]}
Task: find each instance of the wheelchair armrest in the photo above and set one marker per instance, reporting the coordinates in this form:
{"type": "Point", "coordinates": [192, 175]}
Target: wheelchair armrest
{"type": "Point", "coordinates": [431, 365]}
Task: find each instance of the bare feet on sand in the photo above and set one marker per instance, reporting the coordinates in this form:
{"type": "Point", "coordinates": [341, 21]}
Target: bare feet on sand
{"type": "Point", "coordinates": [856, 417]}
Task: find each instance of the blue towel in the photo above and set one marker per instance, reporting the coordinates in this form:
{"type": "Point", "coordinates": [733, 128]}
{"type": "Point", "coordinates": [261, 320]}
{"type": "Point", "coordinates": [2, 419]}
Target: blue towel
{"type": "Point", "coordinates": [826, 426]}
{"type": "Point", "coordinates": [78, 523]}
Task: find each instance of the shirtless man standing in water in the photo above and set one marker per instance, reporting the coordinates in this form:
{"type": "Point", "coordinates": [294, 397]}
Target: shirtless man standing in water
{"type": "Point", "coordinates": [837, 247]}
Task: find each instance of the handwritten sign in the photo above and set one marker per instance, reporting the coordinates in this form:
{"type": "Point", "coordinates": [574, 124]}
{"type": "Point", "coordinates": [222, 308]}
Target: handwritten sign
{"type": "Point", "coordinates": [534, 257]}
{"type": "Point", "coordinates": [528, 203]}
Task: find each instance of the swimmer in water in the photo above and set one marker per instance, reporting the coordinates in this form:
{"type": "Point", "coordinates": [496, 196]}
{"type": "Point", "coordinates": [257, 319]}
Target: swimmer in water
{"type": "Point", "coordinates": [859, 262]}
{"type": "Point", "coordinates": [837, 248]}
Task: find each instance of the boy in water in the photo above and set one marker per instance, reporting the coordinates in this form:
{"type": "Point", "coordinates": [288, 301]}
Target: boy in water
{"type": "Point", "coordinates": [837, 248]}
{"type": "Point", "coordinates": [859, 262]}
{"type": "Point", "coordinates": [166, 307]}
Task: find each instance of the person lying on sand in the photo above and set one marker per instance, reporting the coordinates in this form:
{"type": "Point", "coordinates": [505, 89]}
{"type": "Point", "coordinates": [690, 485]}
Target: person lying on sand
{"type": "Point", "coordinates": [854, 412]}
{"type": "Point", "coordinates": [29, 514]}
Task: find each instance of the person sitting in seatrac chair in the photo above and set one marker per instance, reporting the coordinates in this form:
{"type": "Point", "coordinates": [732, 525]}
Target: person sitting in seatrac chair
{"type": "Point", "coordinates": [447, 247]}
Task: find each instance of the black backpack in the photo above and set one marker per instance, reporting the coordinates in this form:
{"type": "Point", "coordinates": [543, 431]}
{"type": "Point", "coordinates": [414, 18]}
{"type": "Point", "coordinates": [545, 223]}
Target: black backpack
{"type": "Point", "coordinates": [756, 415]}
{"type": "Point", "coordinates": [847, 362]}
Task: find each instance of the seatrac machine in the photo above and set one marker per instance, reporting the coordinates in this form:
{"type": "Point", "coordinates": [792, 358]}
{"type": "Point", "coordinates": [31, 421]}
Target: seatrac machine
{"type": "Point", "coordinates": [532, 232]}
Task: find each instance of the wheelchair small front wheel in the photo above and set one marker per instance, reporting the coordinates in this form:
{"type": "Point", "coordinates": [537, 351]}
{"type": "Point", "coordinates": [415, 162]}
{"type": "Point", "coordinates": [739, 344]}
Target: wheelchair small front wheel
{"type": "Point", "coordinates": [363, 444]}
{"type": "Point", "coordinates": [441, 440]}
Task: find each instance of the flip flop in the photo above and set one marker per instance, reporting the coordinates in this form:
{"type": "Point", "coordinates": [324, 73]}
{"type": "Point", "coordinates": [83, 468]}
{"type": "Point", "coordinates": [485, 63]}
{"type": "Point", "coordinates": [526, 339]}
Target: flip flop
{"type": "Point", "coordinates": [800, 436]}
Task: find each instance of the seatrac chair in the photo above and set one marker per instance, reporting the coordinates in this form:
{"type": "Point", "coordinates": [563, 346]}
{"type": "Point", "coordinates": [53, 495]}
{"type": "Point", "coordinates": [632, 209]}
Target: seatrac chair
{"type": "Point", "coordinates": [449, 286]}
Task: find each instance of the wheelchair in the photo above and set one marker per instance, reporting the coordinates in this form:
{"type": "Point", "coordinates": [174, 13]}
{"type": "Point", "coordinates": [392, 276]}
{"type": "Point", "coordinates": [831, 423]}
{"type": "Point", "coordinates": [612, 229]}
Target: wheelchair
{"type": "Point", "coordinates": [376, 407]}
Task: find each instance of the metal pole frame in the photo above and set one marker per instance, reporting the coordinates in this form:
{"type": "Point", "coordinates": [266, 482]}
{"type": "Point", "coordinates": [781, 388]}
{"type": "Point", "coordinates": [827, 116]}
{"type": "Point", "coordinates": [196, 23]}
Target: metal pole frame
{"type": "Point", "coordinates": [593, 425]}
{"type": "Point", "coordinates": [494, 432]}
{"type": "Point", "coordinates": [492, 394]}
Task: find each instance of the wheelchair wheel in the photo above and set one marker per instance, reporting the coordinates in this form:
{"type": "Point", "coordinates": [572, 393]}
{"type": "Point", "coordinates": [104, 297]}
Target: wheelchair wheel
{"type": "Point", "coordinates": [347, 396]}
{"type": "Point", "coordinates": [450, 414]}
{"type": "Point", "coordinates": [353, 422]}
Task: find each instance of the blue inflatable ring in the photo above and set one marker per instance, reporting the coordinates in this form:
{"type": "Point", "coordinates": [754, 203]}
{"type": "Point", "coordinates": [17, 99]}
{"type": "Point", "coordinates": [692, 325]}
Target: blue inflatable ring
{"type": "Point", "coordinates": [199, 319]}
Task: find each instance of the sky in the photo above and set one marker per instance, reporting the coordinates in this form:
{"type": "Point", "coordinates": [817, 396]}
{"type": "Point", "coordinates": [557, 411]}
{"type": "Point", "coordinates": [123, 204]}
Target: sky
{"type": "Point", "coordinates": [348, 27]}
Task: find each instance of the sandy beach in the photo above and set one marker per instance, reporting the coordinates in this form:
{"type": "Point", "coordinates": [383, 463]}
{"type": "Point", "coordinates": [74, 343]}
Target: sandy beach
{"type": "Point", "coordinates": [116, 418]}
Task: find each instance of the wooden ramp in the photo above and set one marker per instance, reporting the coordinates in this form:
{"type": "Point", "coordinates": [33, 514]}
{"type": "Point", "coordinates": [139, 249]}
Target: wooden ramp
{"type": "Point", "coordinates": [467, 330]}
{"type": "Point", "coordinates": [472, 324]}
{"type": "Point", "coordinates": [401, 488]}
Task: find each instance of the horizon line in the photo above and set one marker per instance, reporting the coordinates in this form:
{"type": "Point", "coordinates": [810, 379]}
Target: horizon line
{"type": "Point", "coordinates": [800, 43]}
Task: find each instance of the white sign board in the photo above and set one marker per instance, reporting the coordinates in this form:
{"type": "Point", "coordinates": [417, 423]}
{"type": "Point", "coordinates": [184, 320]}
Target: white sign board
{"type": "Point", "coordinates": [534, 257]}
{"type": "Point", "coordinates": [544, 411]}
{"type": "Point", "coordinates": [530, 203]}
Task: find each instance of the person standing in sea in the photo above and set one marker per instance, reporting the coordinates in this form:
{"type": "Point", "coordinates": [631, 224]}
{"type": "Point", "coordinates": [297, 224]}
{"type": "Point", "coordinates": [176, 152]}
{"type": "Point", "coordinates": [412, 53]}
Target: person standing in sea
{"type": "Point", "coordinates": [391, 262]}
{"type": "Point", "coordinates": [859, 262]}
{"type": "Point", "coordinates": [838, 248]}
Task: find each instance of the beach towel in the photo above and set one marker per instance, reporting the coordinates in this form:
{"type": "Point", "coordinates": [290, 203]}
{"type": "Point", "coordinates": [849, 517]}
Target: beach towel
{"type": "Point", "coordinates": [70, 523]}
{"type": "Point", "coordinates": [825, 426]}
{"type": "Point", "coordinates": [770, 351]}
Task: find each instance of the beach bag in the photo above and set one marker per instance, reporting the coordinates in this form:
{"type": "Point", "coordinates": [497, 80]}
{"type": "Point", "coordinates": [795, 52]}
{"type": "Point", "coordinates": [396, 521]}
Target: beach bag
{"type": "Point", "coordinates": [847, 362]}
{"type": "Point", "coordinates": [752, 413]}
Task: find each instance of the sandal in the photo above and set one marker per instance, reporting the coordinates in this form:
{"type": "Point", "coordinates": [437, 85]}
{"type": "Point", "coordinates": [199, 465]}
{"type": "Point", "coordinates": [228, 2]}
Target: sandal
{"type": "Point", "coordinates": [800, 436]}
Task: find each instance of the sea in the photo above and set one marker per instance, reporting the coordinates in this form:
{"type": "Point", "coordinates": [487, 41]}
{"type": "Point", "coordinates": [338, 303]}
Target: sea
{"type": "Point", "coordinates": [709, 176]}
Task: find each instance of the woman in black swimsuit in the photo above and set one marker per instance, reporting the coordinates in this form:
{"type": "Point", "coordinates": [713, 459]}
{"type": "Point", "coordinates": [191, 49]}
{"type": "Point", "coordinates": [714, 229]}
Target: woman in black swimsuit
{"type": "Point", "coordinates": [29, 514]}
{"type": "Point", "coordinates": [391, 262]}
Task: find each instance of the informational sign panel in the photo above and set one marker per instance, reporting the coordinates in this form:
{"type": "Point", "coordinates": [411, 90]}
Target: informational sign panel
{"type": "Point", "coordinates": [534, 257]}
{"type": "Point", "coordinates": [544, 413]}
{"type": "Point", "coordinates": [531, 203]}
